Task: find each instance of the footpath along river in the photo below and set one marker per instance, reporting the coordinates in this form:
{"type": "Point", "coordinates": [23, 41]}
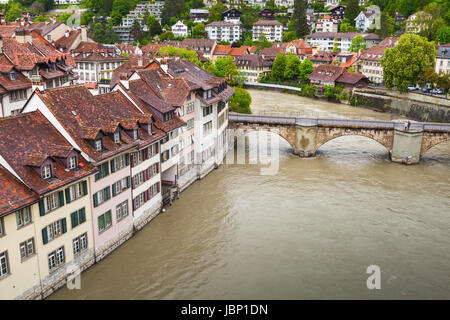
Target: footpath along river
{"type": "Point", "coordinates": [308, 232]}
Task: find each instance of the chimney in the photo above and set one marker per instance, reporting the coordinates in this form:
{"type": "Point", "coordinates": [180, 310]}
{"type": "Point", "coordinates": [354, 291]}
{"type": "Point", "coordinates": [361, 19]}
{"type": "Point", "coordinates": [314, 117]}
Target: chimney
{"type": "Point", "coordinates": [140, 62]}
{"type": "Point", "coordinates": [1, 45]}
{"type": "Point", "coordinates": [83, 34]}
{"type": "Point", "coordinates": [66, 34]}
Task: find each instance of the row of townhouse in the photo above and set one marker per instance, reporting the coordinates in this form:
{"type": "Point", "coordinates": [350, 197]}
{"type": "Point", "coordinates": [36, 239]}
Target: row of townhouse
{"type": "Point", "coordinates": [325, 41]}
{"type": "Point", "coordinates": [96, 168]}
{"type": "Point", "coordinates": [29, 62]}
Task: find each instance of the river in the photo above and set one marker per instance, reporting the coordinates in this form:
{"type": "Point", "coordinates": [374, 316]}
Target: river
{"type": "Point", "coordinates": [308, 232]}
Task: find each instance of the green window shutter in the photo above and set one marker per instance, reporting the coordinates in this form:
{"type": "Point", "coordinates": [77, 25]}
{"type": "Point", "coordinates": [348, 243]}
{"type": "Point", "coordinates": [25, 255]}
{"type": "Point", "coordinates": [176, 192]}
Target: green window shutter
{"type": "Point", "coordinates": [127, 159]}
{"type": "Point", "coordinates": [44, 236]}
{"type": "Point", "coordinates": [85, 190]}
{"type": "Point", "coordinates": [68, 200]}
{"type": "Point", "coordinates": [101, 222]}
{"type": "Point", "coordinates": [114, 190]}
{"type": "Point", "coordinates": [61, 198]}
{"type": "Point", "coordinates": [128, 181]}
{"type": "Point", "coordinates": [74, 218]}
{"type": "Point", "coordinates": [105, 169]}
{"type": "Point", "coordinates": [107, 193]}
{"type": "Point", "coordinates": [108, 217]}
{"type": "Point", "coordinates": [97, 176]}
{"type": "Point", "coordinates": [82, 214]}
{"type": "Point", "coordinates": [113, 168]}
{"type": "Point", "coordinates": [41, 208]}
{"type": "Point", "coordinates": [95, 200]}
{"type": "Point", "coordinates": [64, 225]}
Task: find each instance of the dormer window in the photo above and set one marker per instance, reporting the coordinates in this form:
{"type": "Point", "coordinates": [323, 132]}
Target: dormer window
{"type": "Point", "coordinates": [135, 134]}
{"type": "Point", "coordinates": [149, 128]}
{"type": "Point", "coordinates": [46, 172]}
{"type": "Point", "coordinates": [12, 76]}
{"type": "Point", "coordinates": [72, 162]}
{"type": "Point", "coordinates": [117, 137]}
{"type": "Point", "coordinates": [98, 144]}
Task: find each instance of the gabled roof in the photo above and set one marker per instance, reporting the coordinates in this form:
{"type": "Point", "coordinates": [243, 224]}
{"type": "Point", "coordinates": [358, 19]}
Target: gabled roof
{"type": "Point", "coordinates": [327, 73]}
{"type": "Point", "coordinates": [65, 42]}
{"type": "Point", "coordinates": [42, 141]}
{"type": "Point", "coordinates": [84, 116]}
{"type": "Point", "coordinates": [126, 69]}
{"type": "Point", "coordinates": [92, 51]}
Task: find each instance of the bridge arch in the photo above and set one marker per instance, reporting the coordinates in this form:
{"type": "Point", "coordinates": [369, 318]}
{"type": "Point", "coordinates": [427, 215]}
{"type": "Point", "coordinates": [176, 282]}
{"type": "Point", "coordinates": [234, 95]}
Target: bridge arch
{"type": "Point", "coordinates": [281, 132]}
{"type": "Point", "coordinates": [431, 140]}
{"type": "Point", "coordinates": [383, 137]}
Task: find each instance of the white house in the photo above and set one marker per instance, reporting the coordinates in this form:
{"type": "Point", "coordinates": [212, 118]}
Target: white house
{"type": "Point", "coordinates": [179, 29]}
{"type": "Point", "coordinates": [272, 29]}
{"type": "Point", "coordinates": [224, 31]}
{"type": "Point", "coordinates": [367, 20]}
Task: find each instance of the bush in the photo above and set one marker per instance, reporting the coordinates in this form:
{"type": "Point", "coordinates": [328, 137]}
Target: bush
{"type": "Point", "coordinates": [240, 101]}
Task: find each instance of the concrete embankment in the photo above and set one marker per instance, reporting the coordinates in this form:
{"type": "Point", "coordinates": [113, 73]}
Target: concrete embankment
{"type": "Point", "coordinates": [412, 105]}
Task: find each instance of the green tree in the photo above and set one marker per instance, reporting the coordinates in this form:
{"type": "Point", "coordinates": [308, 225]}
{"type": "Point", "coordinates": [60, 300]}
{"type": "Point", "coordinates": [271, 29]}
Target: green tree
{"type": "Point", "coordinates": [41, 18]}
{"type": "Point", "coordinates": [198, 31]}
{"type": "Point", "coordinates": [226, 68]}
{"type": "Point", "coordinates": [306, 68]}
{"type": "Point", "coordinates": [14, 12]}
{"type": "Point", "coordinates": [403, 64]}
{"type": "Point", "coordinates": [104, 33]}
{"type": "Point", "coordinates": [262, 43]}
{"type": "Point", "coordinates": [443, 35]}
{"type": "Point", "coordinates": [336, 47]}
{"type": "Point", "coordinates": [215, 12]}
{"type": "Point", "coordinates": [155, 28]}
{"type": "Point", "coordinates": [190, 55]}
{"type": "Point", "coordinates": [120, 8]}
{"type": "Point", "coordinates": [240, 102]}
{"type": "Point", "coordinates": [346, 27]}
{"type": "Point", "coordinates": [387, 25]}
{"type": "Point", "coordinates": [318, 6]}
{"type": "Point", "coordinates": [292, 69]}
{"type": "Point", "coordinates": [299, 16]}
{"type": "Point", "coordinates": [288, 36]}
{"type": "Point", "coordinates": [278, 67]}
{"type": "Point", "coordinates": [248, 40]}
{"type": "Point", "coordinates": [352, 11]}
{"type": "Point", "coordinates": [168, 35]}
{"type": "Point", "coordinates": [172, 8]}
{"type": "Point", "coordinates": [150, 20]}
{"type": "Point", "coordinates": [358, 44]}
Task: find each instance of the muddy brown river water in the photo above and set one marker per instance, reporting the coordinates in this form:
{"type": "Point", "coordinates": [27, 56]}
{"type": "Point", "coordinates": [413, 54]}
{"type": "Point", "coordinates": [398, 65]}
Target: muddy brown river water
{"type": "Point", "coordinates": [308, 232]}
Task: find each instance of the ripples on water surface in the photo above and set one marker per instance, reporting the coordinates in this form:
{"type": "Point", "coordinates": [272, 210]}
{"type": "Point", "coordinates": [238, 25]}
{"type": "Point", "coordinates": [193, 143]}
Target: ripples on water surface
{"type": "Point", "coordinates": [309, 231]}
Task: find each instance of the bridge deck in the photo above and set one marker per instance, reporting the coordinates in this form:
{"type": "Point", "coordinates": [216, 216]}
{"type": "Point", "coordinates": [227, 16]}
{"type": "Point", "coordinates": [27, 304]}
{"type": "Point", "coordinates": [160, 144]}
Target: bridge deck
{"type": "Point", "coordinates": [310, 122]}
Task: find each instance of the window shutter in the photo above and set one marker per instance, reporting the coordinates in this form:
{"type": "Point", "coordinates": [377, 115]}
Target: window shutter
{"type": "Point", "coordinates": [149, 152]}
{"type": "Point", "coordinates": [128, 181]}
{"type": "Point", "coordinates": [68, 200]}
{"type": "Point", "coordinates": [157, 185]}
{"type": "Point", "coordinates": [132, 182]}
{"type": "Point", "coordinates": [61, 198]}
{"type": "Point", "coordinates": [132, 160]}
{"type": "Point", "coordinates": [64, 225]}
{"type": "Point", "coordinates": [157, 167]}
{"type": "Point", "coordinates": [82, 215]}
{"type": "Point", "coordinates": [157, 147]}
{"type": "Point", "coordinates": [127, 159]}
{"type": "Point", "coordinates": [134, 204]}
{"type": "Point", "coordinates": [85, 190]}
{"type": "Point", "coordinates": [44, 236]}
{"type": "Point", "coordinates": [114, 189]}
{"type": "Point", "coordinates": [145, 195]}
{"type": "Point", "coordinates": [113, 166]}
{"type": "Point", "coordinates": [41, 208]}
{"type": "Point", "coordinates": [95, 200]}
{"type": "Point", "coordinates": [74, 218]}
{"type": "Point", "coordinates": [107, 195]}
{"type": "Point", "coordinates": [106, 169]}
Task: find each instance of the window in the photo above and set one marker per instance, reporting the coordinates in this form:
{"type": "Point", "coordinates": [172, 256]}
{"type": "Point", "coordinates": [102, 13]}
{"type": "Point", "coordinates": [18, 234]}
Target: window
{"type": "Point", "coordinates": [76, 191]}
{"type": "Point", "coordinates": [138, 157]}
{"type": "Point", "coordinates": [120, 162]}
{"type": "Point", "coordinates": [181, 111]}
{"type": "Point", "coordinates": [51, 202]}
{"type": "Point", "coordinates": [23, 217]}
{"type": "Point", "coordinates": [46, 172]}
{"type": "Point", "coordinates": [4, 267]}
{"type": "Point", "coordinates": [207, 128]}
{"type": "Point", "coordinates": [190, 108]}
{"type": "Point", "coordinates": [104, 221]}
{"type": "Point", "coordinates": [174, 150]}
{"type": "Point", "coordinates": [54, 230]}
{"type": "Point", "coordinates": [56, 259]}
{"type": "Point", "coordinates": [207, 111]}
{"type": "Point", "coordinates": [153, 150]}
{"type": "Point", "coordinates": [120, 186]}
{"type": "Point", "coordinates": [102, 196]}
{"type": "Point", "coordinates": [135, 134]}
{"type": "Point", "coordinates": [2, 230]}
{"type": "Point", "coordinates": [139, 200]}
{"type": "Point", "coordinates": [78, 217]}
{"type": "Point", "coordinates": [103, 171]}
{"type": "Point", "coordinates": [98, 144]}
{"type": "Point", "coordinates": [117, 137]}
{"type": "Point", "coordinates": [190, 123]}
{"type": "Point", "coordinates": [122, 210]}
{"type": "Point", "coordinates": [165, 156]}
{"type": "Point", "coordinates": [26, 249]}
{"type": "Point", "coordinates": [80, 244]}
{"type": "Point", "coordinates": [73, 163]}
{"type": "Point", "coordinates": [138, 179]}
{"type": "Point", "coordinates": [12, 76]}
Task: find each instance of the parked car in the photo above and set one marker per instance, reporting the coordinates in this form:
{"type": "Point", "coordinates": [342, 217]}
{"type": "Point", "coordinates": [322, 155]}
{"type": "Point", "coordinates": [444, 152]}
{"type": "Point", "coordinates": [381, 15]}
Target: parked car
{"type": "Point", "coordinates": [436, 91]}
{"type": "Point", "coordinates": [411, 88]}
{"type": "Point", "coordinates": [425, 89]}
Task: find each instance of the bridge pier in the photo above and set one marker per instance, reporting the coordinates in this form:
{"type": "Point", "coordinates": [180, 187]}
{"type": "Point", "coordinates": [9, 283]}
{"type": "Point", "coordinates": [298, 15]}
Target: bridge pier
{"type": "Point", "coordinates": [406, 147]}
{"type": "Point", "coordinates": [305, 141]}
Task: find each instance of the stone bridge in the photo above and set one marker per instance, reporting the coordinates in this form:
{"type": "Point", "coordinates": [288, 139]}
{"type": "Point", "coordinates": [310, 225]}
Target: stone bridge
{"type": "Point", "coordinates": [307, 135]}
